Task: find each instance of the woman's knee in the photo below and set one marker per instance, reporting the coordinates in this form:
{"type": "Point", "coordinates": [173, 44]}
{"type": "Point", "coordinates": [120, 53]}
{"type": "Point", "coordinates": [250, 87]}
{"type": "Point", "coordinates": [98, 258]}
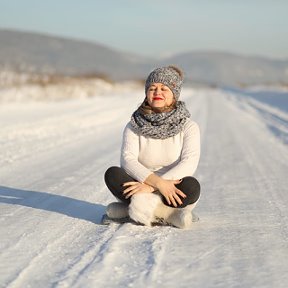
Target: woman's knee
{"type": "Point", "coordinates": [114, 179]}
{"type": "Point", "coordinates": [191, 188]}
{"type": "Point", "coordinates": [111, 172]}
{"type": "Point", "coordinates": [192, 182]}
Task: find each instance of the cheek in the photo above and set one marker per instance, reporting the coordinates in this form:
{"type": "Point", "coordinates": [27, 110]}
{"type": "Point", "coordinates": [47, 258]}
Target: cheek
{"type": "Point", "coordinates": [169, 100]}
{"type": "Point", "coordinates": [149, 98]}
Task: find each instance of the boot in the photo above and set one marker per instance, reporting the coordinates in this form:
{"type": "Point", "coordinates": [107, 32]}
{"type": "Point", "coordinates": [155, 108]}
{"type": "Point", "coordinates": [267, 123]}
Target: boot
{"type": "Point", "coordinates": [142, 207]}
{"type": "Point", "coordinates": [179, 217]}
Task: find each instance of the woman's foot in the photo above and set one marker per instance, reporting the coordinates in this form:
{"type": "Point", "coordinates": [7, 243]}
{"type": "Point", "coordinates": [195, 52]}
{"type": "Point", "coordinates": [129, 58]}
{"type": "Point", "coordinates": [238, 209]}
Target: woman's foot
{"type": "Point", "coordinates": [117, 210]}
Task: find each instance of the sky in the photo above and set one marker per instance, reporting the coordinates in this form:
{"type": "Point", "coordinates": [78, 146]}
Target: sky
{"type": "Point", "coordinates": [159, 27]}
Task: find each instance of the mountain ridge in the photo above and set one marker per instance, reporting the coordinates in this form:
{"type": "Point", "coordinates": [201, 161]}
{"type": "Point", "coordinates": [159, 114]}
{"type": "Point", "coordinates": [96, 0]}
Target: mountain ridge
{"type": "Point", "coordinates": [45, 53]}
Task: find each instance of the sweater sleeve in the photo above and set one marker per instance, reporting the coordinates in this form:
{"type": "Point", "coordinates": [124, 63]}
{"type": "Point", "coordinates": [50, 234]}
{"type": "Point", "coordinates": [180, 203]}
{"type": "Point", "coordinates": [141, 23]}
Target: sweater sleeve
{"type": "Point", "coordinates": [129, 155]}
{"type": "Point", "coordinates": [190, 154]}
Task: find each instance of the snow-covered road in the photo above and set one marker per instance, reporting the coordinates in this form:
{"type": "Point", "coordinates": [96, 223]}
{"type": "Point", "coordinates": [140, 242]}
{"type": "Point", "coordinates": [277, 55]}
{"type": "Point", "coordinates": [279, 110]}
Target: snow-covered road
{"type": "Point", "coordinates": [52, 196]}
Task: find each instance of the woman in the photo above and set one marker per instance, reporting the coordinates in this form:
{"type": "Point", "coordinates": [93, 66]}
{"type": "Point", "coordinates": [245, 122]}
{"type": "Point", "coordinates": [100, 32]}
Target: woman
{"type": "Point", "coordinates": [160, 153]}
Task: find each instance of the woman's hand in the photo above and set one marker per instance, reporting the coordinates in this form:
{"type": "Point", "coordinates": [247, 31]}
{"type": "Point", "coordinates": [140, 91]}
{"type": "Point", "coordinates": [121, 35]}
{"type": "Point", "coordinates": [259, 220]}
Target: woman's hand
{"type": "Point", "coordinates": [168, 189]}
{"type": "Point", "coordinates": [136, 187]}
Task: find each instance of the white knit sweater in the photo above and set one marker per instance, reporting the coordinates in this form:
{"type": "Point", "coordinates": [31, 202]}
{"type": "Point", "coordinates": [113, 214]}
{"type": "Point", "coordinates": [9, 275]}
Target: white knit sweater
{"type": "Point", "coordinates": [171, 158]}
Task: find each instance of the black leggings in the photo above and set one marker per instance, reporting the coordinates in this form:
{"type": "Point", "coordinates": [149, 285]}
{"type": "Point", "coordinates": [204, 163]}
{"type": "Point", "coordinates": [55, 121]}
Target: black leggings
{"type": "Point", "coordinates": [116, 176]}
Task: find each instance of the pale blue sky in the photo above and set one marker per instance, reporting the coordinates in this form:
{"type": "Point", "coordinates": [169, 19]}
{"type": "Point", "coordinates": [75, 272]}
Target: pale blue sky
{"type": "Point", "coordinates": [159, 27]}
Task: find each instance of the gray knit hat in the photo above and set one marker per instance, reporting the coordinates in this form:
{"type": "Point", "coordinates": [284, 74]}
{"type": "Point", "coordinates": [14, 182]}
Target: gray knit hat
{"type": "Point", "coordinates": [170, 76]}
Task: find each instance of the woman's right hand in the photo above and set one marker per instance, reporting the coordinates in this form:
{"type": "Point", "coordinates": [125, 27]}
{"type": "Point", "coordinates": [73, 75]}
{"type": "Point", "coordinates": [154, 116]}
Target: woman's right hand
{"type": "Point", "coordinates": [170, 192]}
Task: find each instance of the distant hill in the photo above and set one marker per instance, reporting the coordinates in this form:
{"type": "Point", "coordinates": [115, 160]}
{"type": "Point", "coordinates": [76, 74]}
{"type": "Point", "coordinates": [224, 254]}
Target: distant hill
{"type": "Point", "coordinates": [25, 51]}
{"type": "Point", "coordinates": [32, 52]}
{"type": "Point", "coordinates": [227, 68]}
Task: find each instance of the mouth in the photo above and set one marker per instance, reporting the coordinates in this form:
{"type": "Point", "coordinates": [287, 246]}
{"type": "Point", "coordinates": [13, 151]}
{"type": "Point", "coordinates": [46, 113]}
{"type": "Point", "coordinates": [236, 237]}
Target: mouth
{"type": "Point", "coordinates": [157, 98]}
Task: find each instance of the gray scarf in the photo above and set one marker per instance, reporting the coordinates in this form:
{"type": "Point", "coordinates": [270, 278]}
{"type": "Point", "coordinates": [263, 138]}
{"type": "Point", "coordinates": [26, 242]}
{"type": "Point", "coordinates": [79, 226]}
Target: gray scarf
{"type": "Point", "coordinates": [160, 125]}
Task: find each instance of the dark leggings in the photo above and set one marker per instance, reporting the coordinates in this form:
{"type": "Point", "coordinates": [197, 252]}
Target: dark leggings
{"type": "Point", "coordinates": [116, 176]}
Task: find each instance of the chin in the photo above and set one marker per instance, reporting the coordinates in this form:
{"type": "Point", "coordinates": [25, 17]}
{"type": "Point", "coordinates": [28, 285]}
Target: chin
{"type": "Point", "coordinates": [158, 106]}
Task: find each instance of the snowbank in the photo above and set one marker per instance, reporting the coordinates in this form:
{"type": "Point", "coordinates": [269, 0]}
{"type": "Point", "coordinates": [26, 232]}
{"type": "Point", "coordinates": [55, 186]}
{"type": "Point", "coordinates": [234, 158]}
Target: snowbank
{"type": "Point", "coordinates": [21, 87]}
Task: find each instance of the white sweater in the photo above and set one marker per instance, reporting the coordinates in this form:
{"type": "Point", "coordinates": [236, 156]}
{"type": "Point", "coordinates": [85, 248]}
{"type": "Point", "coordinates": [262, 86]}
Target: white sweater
{"type": "Point", "coordinates": [171, 158]}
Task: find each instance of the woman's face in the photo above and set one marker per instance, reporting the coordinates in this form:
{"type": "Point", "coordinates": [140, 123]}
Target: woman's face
{"type": "Point", "coordinates": [159, 96]}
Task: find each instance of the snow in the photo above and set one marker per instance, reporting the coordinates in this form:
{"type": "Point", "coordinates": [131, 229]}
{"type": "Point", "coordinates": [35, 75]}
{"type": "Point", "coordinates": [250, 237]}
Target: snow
{"type": "Point", "coordinates": [52, 196]}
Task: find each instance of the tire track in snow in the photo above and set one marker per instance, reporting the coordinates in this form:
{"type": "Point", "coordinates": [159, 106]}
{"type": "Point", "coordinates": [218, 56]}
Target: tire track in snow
{"type": "Point", "coordinates": [91, 257]}
{"type": "Point", "coordinates": [131, 258]}
{"type": "Point", "coordinates": [56, 250]}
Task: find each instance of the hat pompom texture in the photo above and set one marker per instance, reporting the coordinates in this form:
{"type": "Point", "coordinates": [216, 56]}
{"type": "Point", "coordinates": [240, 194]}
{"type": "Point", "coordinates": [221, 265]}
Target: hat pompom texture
{"type": "Point", "coordinates": [170, 76]}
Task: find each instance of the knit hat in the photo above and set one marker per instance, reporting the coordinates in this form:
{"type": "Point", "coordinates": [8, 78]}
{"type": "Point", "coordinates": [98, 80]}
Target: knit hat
{"type": "Point", "coordinates": [170, 76]}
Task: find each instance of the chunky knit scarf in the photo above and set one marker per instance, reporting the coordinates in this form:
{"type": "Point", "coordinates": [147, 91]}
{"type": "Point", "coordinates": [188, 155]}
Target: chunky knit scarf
{"type": "Point", "coordinates": [160, 125]}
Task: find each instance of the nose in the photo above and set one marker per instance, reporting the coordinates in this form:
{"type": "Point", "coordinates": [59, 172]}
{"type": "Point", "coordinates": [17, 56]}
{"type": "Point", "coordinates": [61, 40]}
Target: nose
{"type": "Point", "coordinates": [157, 91]}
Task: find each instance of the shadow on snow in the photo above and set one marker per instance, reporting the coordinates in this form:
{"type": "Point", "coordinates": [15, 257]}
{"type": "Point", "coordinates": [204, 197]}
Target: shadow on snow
{"type": "Point", "coordinates": [74, 208]}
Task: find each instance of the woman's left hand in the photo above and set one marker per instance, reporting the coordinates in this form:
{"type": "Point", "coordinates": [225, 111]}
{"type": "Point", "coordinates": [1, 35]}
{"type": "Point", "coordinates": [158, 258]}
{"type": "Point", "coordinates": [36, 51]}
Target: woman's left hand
{"type": "Point", "coordinates": [136, 187]}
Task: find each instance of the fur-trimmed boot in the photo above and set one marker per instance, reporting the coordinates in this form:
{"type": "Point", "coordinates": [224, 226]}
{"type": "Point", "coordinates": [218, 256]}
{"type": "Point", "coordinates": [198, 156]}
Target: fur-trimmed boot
{"type": "Point", "coordinates": [117, 210]}
{"type": "Point", "coordinates": [178, 217]}
{"type": "Point", "coordinates": [142, 207]}
{"type": "Point", "coordinates": [148, 208]}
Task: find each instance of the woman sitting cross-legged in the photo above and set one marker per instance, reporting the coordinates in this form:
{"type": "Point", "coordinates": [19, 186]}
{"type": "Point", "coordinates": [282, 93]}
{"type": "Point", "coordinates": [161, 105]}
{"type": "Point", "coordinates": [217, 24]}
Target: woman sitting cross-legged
{"type": "Point", "coordinates": [159, 155]}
